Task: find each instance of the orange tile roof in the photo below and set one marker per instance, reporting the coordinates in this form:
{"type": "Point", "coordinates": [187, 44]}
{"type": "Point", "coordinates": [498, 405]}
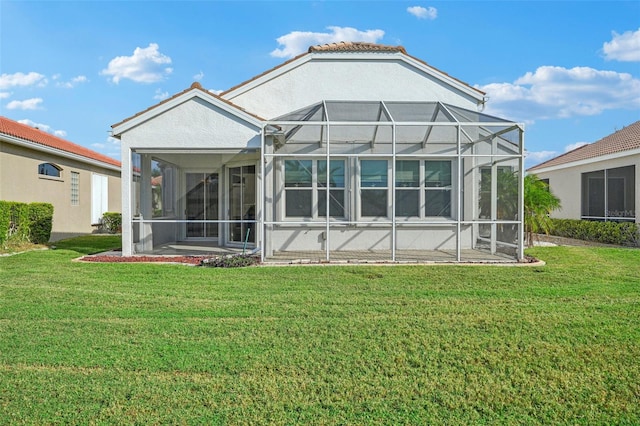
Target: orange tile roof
{"type": "Point", "coordinates": [197, 86]}
{"type": "Point", "coordinates": [625, 139]}
{"type": "Point", "coordinates": [31, 134]}
{"type": "Point", "coordinates": [350, 46]}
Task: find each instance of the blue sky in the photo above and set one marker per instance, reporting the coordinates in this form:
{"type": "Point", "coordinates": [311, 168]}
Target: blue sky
{"type": "Point", "coordinates": [569, 70]}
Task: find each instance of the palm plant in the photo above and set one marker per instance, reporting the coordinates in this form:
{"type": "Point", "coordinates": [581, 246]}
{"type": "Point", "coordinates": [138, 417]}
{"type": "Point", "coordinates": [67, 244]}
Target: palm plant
{"type": "Point", "coordinates": [539, 202]}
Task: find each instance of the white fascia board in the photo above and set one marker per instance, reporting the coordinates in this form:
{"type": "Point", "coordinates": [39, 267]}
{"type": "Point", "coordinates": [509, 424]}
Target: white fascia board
{"type": "Point", "coordinates": [178, 100]}
{"type": "Point", "coordinates": [269, 75]}
{"type": "Point", "coordinates": [60, 153]}
{"type": "Point", "coordinates": [442, 76]}
{"type": "Point", "coordinates": [588, 161]}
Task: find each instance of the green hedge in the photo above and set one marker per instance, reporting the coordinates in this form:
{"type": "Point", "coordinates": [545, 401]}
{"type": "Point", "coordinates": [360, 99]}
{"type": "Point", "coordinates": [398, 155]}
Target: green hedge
{"type": "Point", "coordinates": [619, 233]}
{"type": "Point", "coordinates": [25, 222]}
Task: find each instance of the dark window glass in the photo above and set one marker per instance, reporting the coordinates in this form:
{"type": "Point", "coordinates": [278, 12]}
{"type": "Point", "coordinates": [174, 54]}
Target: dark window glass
{"type": "Point", "coordinates": [48, 169]}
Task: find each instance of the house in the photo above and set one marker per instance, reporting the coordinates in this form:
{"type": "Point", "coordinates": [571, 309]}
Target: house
{"type": "Point", "coordinates": [36, 166]}
{"type": "Point", "coordinates": [598, 181]}
{"type": "Point", "coordinates": [350, 151]}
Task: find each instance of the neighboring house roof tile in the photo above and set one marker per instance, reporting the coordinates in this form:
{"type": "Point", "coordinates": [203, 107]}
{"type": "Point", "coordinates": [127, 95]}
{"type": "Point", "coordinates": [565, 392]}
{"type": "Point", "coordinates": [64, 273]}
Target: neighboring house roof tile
{"type": "Point", "coordinates": [194, 86]}
{"type": "Point", "coordinates": [36, 136]}
{"type": "Point", "coordinates": [625, 139]}
{"type": "Point", "coordinates": [350, 46]}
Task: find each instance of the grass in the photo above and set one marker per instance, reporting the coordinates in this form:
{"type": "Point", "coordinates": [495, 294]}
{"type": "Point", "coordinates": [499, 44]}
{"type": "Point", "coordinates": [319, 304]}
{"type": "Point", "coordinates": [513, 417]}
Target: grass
{"type": "Point", "coordinates": [170, 344]}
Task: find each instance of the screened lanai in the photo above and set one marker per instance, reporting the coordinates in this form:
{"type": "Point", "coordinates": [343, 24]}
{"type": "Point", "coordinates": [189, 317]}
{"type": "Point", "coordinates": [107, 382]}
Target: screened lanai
{"type": "Point", "coordinates": [391, 181]}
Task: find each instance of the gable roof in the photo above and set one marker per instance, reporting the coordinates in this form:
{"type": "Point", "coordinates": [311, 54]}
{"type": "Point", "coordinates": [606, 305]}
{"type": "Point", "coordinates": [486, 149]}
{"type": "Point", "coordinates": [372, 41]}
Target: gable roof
{"type": "Point", "coordinates": [38, 138]}
{"type": "Point", "coordinates": [625, 139]}
{"type": "Point", "coordinates": [195, 89]}
{"type": "Point", "coordinates": [360, 47]}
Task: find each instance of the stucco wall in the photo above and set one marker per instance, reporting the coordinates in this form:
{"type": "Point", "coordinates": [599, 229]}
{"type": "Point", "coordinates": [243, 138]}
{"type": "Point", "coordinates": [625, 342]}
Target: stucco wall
{"type": "Point", "coordinates": [193, 124]}
{"type": "Point", "coordinates": [566, 184]}
{"type": "Point", "coordinates": [333, 79]}
{"type": "Point", "coordinates": [20, 181]}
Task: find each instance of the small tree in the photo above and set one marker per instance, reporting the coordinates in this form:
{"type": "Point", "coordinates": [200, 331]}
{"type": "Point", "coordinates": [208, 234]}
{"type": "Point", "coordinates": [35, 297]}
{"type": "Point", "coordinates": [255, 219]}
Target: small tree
{"type": "Point", "coordinates": [539, 202]}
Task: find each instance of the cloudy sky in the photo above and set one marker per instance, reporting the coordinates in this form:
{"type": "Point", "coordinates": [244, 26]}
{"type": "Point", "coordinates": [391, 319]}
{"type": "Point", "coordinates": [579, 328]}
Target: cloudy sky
{"type": "Point", "coordinates": [569, 70]}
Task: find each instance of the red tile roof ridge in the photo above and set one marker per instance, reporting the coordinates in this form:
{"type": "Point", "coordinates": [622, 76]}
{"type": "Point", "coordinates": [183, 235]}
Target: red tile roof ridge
{"type": "Point", "coordinates": [194, 86]}
{"type": "Point", "coordinates": [40, 137]}
{"type": "Point", "coordinates": [625, 139]}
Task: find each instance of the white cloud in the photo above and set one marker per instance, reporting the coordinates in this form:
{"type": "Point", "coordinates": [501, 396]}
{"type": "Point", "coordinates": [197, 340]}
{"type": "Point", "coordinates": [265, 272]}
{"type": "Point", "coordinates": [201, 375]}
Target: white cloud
{"type": "Point", "coordinates": [215, 91]}
{"type": "Point", "coordinates": [535, 157]}
{"type": "Point", "coordinates": [557, 92]}
{"type": "Point", "coordinates": [146, 65]}
{"type": "Point", "coordinates": [44, 127]}
{"type": "Point", "coordinates": [573, 146]}
{"type": "Point", "coordinates": [420, 12]}
{"type": "Point", "coordinates": [21, 79]}
{"type": "Point", "coordinates": [198, 76]}
{"type": "Point", "coordinates": [5, 95]}
{"type": "Point", "coordinates": [160, 95]}
{"type": "Point", "coordinates": [623, 47]}
{"type": "Point", "coordinates": [71, 83]}
{"type": "Point", "coordinates": [27, 104]}
{"type": "Point", "coordinates": [297, 42]}
{"type": "Point", "coordinates": [110, 147]}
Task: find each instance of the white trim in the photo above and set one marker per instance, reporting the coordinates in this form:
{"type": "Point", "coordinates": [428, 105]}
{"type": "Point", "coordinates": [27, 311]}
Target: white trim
{"type": "Point", "coordinates": [55, 151]}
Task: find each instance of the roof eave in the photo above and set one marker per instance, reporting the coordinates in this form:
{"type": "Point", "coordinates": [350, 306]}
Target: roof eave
{"type": "Point", "coordinates": [59, 152]}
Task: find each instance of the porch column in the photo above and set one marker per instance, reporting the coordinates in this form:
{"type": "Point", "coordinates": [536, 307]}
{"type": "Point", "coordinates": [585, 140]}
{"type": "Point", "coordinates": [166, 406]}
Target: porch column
{"type": "Point", "coordinates": [126, 177]}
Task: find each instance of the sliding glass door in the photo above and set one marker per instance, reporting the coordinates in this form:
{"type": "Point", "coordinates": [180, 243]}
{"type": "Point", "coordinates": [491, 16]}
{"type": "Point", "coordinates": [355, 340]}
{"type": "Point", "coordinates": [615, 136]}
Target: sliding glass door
{"type": "Point", "coordinates": [242, 203]}
{"type": "Point", "coordinates": [202, 204]}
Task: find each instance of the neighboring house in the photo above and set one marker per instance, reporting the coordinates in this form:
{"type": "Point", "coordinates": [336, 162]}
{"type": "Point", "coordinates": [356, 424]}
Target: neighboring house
{"type": "Point", "coordinates": [36, 166]}
{"type": "Point", "coordinates": [351, 151]}
{"type": "Point", "coordinates": [598, 181]}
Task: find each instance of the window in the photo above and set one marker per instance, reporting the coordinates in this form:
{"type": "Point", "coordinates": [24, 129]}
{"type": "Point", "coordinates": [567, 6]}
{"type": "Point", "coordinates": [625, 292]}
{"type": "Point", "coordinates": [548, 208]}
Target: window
{"type": "Point", "coordinates": [373, 187]}
{"type": "Point", "coordinates": [609, 194]}
{"type": "Point", "coordinates": [437, 176]}
{"type": "Point", "coordinates": [408, 188]}
{"type": "Point", "coordinates": [434, 184]}
{"type": "Point", "coordinates": [48, 169]}
{"type": "Point", "coordinates": [306, 184]}
{"type": "Point", "coordinates": [75, 188]}
{"type": "Point", "coordinates": [298, 184]}
{"type": "Point", "coordinates": [336, 191]}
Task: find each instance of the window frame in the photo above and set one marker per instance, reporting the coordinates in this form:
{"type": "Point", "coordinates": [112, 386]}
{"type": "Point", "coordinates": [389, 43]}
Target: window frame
{"type": "Point", "coordinates": [43, 167]}
{"type": "Point", "coordinates": [316, 189]}
{"type": "Point", "coordinates": [75, 188]}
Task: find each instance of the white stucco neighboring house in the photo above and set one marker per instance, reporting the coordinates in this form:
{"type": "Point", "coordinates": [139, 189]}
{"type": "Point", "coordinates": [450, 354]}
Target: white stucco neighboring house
{"type": "Point", "coordinates": [351, 151]}
{"type": "Point", "coordinates": [597, 181]}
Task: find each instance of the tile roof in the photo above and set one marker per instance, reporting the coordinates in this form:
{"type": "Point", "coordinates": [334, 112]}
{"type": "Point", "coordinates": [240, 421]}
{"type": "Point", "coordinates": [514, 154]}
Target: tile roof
{"type": "Point", "coordinates": [350, 46]}
{"type": "Point", "coordinates": [197, 86]}
{"type": "Point", "coordinates": [36, 136]}
{"type": "Point", "coordinates": [355, 46]}
{"type": "Point", "coordinates": [625, 139]}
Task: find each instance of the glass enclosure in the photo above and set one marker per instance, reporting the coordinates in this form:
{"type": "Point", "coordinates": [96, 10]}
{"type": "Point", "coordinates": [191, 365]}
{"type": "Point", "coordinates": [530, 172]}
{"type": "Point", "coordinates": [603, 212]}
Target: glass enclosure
{"type": "Point", "coordinates": [341, 182]}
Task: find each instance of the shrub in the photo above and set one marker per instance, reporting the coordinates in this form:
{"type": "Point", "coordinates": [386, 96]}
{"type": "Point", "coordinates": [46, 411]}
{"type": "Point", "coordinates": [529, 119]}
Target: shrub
{"type": "Point", "coordinates": [619, 233]}
{"type": "Point", "coordinates": [40, 222]}
{"type": "Point", "coordinates": [231, 261]}
{"type": "Point", "coordinates": [22, 222]}
{"type": "Point", "coordinates": [112, 222]}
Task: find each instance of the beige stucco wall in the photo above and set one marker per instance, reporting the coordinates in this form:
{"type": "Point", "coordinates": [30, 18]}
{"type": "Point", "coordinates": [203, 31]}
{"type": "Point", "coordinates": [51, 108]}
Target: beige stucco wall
{"type": "Point", "coordinates": [20, 181]}
{"type": "Point", "coordinates": [566, 184]}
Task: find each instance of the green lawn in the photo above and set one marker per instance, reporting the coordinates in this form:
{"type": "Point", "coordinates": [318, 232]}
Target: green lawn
{"type": "Point", "coordinates": [92, 343]}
